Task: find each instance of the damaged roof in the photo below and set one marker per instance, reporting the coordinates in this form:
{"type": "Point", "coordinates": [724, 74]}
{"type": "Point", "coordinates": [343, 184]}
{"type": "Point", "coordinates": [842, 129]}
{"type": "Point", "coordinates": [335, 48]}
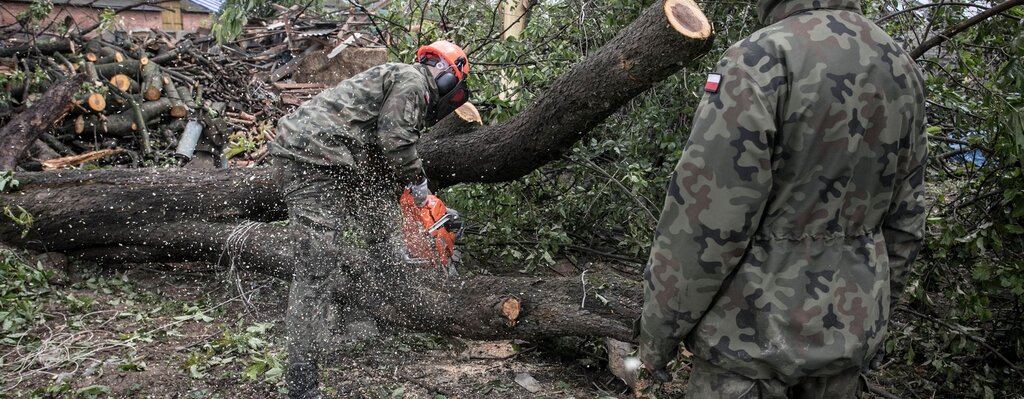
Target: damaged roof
{"type": "Point", "coordinates": [197, 6]}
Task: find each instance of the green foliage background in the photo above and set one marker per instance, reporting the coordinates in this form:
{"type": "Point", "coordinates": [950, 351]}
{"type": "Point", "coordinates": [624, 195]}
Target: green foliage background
{"type": "Point", "coordinates": [962, 331]}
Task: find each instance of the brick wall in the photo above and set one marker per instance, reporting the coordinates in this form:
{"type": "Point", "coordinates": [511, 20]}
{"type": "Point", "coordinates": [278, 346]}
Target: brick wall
{"type": "Point", "coordinates": [86, 16]}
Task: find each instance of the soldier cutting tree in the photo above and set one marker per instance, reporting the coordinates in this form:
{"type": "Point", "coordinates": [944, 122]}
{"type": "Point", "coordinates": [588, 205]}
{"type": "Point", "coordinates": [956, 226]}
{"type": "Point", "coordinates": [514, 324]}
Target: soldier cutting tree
{"type": "Point", "coordinates": [341, 160]}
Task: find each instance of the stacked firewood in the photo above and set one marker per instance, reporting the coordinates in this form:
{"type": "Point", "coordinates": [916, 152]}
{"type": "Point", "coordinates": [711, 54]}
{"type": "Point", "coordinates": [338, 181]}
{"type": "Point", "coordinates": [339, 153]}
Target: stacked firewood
{"type": "Point", "coordinates": [162, 98]}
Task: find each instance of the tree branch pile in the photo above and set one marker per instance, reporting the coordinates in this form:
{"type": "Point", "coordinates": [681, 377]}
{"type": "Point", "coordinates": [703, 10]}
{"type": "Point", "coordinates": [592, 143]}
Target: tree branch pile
{"type": "Point", "coordinates": [142, 89]}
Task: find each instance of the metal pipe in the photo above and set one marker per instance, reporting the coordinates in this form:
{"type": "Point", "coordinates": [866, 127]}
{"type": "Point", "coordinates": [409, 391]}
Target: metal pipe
{"type": "Point", "coordinates": [189, 139]}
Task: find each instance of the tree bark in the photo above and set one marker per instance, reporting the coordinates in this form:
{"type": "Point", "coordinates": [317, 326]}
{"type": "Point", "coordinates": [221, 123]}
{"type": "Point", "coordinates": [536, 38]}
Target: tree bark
{"type": "Point", "coordinates": [104, 216]}
{"type": "Point", "coordinates": [221, 215]}
{"type": "Point", "coordinates": [47, 48]}
{"type": "Point", "coordinates": [25, 128]}
{"type": "Point", "coordinates": [126, 122]}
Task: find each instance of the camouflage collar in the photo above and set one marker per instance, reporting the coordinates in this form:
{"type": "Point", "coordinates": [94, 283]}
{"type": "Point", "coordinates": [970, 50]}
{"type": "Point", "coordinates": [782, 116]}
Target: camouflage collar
{"type": "Point", "coordinates": [431, 83]}
{"type": "Point", "coordinates": [772, 11]}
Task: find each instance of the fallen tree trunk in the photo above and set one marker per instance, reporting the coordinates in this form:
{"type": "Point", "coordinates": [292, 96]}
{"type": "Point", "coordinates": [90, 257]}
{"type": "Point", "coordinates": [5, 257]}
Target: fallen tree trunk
{"type": "Point", "coordinates": [20, 132]}
{"type": "Point", "coordinates": [656, 45]}
{"type": "Point", "coordinates": [174, 214]}
{"type": "Point", "coordinates": [103, 216]}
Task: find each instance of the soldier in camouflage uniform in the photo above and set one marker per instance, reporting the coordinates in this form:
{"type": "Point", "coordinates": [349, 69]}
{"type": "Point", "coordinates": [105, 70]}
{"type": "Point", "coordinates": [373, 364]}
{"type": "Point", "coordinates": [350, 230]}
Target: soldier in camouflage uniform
{"type": "Point", "coordinates": [342, 159]}
{"type": "Point", "coordinates": [795, 212]}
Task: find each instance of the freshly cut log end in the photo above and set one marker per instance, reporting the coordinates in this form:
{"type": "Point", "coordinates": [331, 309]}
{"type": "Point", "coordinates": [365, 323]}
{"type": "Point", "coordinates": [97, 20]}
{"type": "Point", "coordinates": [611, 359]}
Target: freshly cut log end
{"type": "Point", "coordinates": [91, 57]}
{"type": "Point", "coordinates": [118, 57]}
{"type": "Point", "coordinates": [121, 82]}
{"type": "Point", "coordinates": [178, 111]}
{"type": "Point", "coordinates": [469, 113]}
{"type": "Point", "coordinates": [152, 81]}
{"type": "Point", "coordinates": [152, 93]}
{"type": "Point", "coordinates": [79, 124]}
{"type": "Point", "coordinates": [144, 61]}
{"type": "Point", "coordinates": [96, 102]}
{"type": "Point", "coordinates": [510, 309]}
{"type": "Point", "coordinates": [687, 18]}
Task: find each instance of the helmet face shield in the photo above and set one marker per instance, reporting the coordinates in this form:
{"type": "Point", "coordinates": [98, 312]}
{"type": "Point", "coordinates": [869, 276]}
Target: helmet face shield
{"type": "Point", "coordinates": [449, 102]}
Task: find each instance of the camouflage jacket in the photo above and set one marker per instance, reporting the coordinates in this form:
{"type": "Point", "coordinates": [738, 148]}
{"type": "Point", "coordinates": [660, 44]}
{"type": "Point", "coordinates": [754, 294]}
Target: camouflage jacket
{"type": "Point", "coordinates": [796, 210]}
{"type": "Point", "coordinates": [377, 112]}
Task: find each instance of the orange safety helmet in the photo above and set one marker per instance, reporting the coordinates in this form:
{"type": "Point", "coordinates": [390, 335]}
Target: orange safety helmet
{"type": "Point", "coordinates": [450, 53]}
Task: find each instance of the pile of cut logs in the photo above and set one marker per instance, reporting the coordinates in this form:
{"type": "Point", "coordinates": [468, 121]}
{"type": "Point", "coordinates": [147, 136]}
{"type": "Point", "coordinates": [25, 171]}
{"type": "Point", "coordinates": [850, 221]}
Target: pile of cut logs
{"type": "Point", "coordinates": [168, 98]}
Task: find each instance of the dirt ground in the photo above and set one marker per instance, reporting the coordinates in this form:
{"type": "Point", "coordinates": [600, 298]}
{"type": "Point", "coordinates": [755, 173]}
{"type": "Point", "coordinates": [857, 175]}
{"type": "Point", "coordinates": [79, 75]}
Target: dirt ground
{"type": "Point", "coordinates": [186, 331]}
{"type": "Point", "coordinates": [189, 331]}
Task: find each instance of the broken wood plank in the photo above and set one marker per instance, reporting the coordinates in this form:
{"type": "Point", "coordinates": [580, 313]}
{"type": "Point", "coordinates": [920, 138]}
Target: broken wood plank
{"type": "Point", "coordinates": [61, 163]}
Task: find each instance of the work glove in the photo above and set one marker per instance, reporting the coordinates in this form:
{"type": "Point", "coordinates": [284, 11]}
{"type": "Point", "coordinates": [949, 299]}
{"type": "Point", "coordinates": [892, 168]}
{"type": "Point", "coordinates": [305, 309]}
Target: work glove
{"type": "Point", "coordinates": [454, 224]}
{"type": "Point", "coordinates": [420, 192]}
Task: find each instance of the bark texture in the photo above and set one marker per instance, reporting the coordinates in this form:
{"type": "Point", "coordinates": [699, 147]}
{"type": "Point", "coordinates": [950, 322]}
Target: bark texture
{"type": "Point", "coordinates": [644, 53]}
{"type": "Point", "coordinates": [26, 127]}
{"type": "Point", "coordinates": [105, 217]}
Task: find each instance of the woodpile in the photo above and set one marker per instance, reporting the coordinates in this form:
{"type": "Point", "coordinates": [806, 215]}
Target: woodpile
{"type": "Point", "coordinates": [143, 91]}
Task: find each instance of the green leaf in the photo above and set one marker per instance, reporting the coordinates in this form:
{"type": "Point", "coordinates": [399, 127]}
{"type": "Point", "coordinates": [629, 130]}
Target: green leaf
{"type": "Point", "coordinates": [92, 391]}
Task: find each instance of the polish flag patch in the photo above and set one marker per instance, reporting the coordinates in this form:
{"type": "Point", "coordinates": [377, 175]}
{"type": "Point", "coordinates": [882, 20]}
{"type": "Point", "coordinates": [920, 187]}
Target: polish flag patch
{"type": "Point", "coordinates": [711, 86]}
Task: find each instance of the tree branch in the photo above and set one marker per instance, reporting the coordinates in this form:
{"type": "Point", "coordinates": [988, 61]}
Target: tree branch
{"type": "Point", "coordinates": [952, 31]}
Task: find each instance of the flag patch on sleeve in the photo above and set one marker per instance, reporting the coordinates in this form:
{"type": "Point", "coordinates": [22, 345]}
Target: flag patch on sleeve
{"type": "Point", "coordinates": [711, 86]}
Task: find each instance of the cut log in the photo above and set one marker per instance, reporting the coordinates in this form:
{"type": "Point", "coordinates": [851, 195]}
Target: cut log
{"type": "Point", "coordinates": [129, 67]}
{"type": "Point", "coordinates": [90, 72]}
{"type": "Point", "coordinates": [178, 108]}
{"type": "Point", "coordinates": [63, 46]}
{"type": "Point", "coordinates": [111, 56]}
{"type": "Point", "coordinates": [74, 125]}
{"type": "Point", "coordinates": [152, 82]}
{"type": "Point", "coordinates": [96, 102]}
{"type": "Point", "coordinates": [468, 113]}
{"type": "Point", "coordinates": [26, 127]}
{"type": "Point", "coordinates": [124, 123]}
{"type": "Point", "coordinates": [124, 83]}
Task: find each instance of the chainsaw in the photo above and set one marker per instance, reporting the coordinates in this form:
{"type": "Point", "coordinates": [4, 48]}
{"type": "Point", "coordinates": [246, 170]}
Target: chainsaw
{"type": "Point", "coordinates": [430, 232]}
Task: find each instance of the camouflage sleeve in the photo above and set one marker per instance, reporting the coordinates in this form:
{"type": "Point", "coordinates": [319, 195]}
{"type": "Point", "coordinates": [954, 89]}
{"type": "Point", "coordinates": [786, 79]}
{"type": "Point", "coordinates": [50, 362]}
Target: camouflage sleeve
{"type": "Point", "coordinates": [397, 129]}
{"type": "Point", "coordinates": [903, 226]}
{"type": "Point", "coordinates": [714, 203]}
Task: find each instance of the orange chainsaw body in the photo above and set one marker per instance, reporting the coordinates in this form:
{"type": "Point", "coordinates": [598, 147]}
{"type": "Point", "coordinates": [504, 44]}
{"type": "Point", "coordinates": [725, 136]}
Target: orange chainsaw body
{"type": "Point", "coordinates": [433, 249]}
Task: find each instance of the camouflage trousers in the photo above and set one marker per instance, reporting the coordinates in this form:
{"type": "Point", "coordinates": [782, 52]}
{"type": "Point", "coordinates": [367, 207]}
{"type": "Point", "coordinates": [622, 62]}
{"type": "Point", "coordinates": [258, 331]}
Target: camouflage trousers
{"type": "Point", "coordinates": [710, 381]}
{"type": "Point", "coordinates": [331, 212]}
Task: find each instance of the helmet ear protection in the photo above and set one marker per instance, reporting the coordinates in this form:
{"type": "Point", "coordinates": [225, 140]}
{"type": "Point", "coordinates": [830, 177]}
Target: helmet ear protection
{"type": "Point", "coordinates": [447, 80]}
{"type": "Point", "coordinates": [454, 98]}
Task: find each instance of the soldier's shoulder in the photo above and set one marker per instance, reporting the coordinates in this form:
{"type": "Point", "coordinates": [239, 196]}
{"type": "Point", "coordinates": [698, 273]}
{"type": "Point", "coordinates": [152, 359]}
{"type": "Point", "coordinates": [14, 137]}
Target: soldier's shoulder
{"type": "Point", "coordinates": [401, 69]}
{"type": "Point", "coordinates": [759, 57]}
